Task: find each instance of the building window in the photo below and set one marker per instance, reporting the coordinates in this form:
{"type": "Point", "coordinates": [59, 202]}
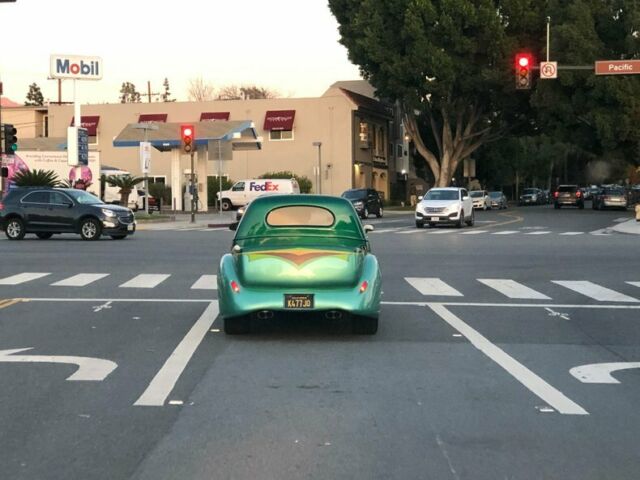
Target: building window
{"type": "Point", "coordinates": [364, 135]}
{"type": "Point", "coordinates": [158, 179]}
{"type": "Point", "coordinates": [280, 135]}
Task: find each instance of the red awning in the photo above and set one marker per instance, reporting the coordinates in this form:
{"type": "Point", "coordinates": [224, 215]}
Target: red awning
{"type": "Point", "coordinates": [152, 117]}
{"type": "Point", "coordinates": [279, 120]}
{"type": "Point", "coordinates": [214, 116]}
{"type": "Point", "coordinates": [90, 122]}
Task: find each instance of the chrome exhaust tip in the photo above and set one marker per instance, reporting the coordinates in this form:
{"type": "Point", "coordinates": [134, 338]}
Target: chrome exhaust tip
{"type": "Point", "coordinates": [333, 315]}
{"type": "Point", "coordinates": [264, 315]}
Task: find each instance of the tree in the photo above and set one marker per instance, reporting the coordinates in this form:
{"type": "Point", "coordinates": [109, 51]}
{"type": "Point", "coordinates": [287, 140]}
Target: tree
{"type": "Point", "coordinates": [234, 92]}
{"type": "Point", "coordinates": [126, 184]}
{"type": "Point", "coordinates": [303, 182]}
{"type": "Point", "coordinates": [200, 91]}
{"type": "Point", "coordinates": [35, 178]}
{"type": "Point", "coordinates": [213, 186]}
{"type": "Point", "coordinates": [165, 96]}
{"type": "Point", "coordinates": [450, 66]}
{"type": "Point", "coordinates": [34, 96]}
{"type": "Point", "coordinates": [129, 94]}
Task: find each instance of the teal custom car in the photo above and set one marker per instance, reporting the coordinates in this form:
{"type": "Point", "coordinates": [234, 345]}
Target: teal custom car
{"type": "Point", "coordinates": [302, 254]}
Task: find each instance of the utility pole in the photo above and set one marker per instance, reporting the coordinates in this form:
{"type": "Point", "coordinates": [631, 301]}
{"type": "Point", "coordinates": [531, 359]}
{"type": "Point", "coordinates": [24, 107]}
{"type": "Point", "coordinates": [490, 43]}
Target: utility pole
{"type": "Point", "coordinates": [149, 94]}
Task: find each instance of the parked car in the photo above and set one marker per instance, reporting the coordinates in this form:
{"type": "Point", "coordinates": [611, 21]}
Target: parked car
{"type": "Point", "coordinates": [610, 197]}
{"type": "Point", "coordinates": [531, 196]}
{"type": "Point", "coordinates": [498, 200]}
{"type": "Point", "coordinates": [569, 195]}
{"type": "Point", "coordinates": [365, 201]}
{"type": "Point", "coordinates": [50, 211]}
{"type": "Point", "coordinates": [141, 204]}
{"type": "Point", "coordinates": [480, 199]}
{"type": "Point", "coordinates": [449, 206]}
{"type": "Point", "coordinates": [242, 192]}
{"type": "Point", "coordinates": [299, 254]}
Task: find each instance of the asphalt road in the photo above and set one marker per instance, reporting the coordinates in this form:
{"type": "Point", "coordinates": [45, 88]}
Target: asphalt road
{"type": "Point", "coordinates": [469, 377]}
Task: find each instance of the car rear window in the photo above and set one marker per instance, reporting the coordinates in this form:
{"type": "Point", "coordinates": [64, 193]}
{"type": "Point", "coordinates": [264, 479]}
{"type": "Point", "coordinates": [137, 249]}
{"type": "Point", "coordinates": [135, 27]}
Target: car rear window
{"type": "Point", "coordinates": [476, 194]}
{"type": "Point", "coordinates": [613, 191]}
{"type": "Point", "coordinates": [300, 216]}
{"type": "Point", "coordinates": [567, 188]}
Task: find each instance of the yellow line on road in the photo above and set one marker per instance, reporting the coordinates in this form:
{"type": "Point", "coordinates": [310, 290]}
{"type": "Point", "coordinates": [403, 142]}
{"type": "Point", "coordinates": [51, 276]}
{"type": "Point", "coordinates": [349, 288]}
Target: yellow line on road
{"type": "Point", "coordinates": [515, 218]}
{"type": "Point", "coordinates": [9, 301]}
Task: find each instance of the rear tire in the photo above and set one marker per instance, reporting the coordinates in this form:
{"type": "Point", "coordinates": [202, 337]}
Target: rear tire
{"type": "Point", "coordinates": [14, 229]}
{"type": "Point", "coordinates": [364, 325]}
{"type": "Point", "coordinates": [226, 205]}
{"type": "Point", "coordinates": [236, 325]}
{"type": "Point", "coordinates": [44, 235]}
{"type": "Point", "coordinates": [365, 213]}
{"type": "Point", "coordinates": [581, 206]}
{"type": "Point", "coordinates": [556, 206]}
{"type": "Point", "coordinates": [380, 213]}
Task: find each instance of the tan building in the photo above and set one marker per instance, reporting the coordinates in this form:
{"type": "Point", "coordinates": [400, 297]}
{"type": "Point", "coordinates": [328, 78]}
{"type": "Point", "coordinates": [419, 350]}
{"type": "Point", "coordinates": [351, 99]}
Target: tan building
{"type": "Point", "coordinates": [346, 134]}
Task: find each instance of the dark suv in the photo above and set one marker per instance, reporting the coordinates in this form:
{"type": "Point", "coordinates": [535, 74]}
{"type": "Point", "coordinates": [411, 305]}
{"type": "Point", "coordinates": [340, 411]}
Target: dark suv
{"type": "Point", "coordinates": [568, 195]}
{"type": "Point", "coordinates": [365, 201]}
{"type": "Point", "coordinates": [48, 211]}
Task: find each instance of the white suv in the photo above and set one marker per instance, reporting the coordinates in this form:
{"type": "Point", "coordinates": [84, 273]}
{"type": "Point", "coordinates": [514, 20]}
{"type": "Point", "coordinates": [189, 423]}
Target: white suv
{"type": "Point", "coordinates": [452, 206]}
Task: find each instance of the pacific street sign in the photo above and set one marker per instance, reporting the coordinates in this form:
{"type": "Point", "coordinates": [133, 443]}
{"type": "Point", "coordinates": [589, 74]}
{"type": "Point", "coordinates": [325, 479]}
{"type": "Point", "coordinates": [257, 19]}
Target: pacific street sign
{"type": "Point", "coordinates": [617, 67]}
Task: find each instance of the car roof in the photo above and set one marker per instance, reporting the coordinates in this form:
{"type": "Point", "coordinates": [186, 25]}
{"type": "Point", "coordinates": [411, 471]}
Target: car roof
{"type": "Point", "coordinates": [446, 188]}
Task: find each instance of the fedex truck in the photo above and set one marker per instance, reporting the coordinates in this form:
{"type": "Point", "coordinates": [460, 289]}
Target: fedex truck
{"type": "Point", "coordinates": [242, 192]}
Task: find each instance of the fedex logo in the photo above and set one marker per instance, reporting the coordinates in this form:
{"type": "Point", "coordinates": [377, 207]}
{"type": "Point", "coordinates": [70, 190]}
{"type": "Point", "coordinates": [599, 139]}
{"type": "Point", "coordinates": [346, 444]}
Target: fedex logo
{"type": "Point", "coordinates": [70, 66]}
{"type": "Point", "coordinates": [263, 187]}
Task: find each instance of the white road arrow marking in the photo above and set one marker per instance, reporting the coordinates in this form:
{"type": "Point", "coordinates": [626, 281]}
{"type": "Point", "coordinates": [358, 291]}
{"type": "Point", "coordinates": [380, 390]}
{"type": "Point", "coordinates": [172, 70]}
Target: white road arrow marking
{"type": "Point", "coordinates": [601, 372]}
{"type": "Point", "coordinates": [89, 369]}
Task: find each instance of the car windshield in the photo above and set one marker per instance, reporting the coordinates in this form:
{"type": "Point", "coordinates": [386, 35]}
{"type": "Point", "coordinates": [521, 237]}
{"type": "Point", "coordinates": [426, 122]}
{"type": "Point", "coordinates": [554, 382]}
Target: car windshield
{"type": "Point", "coordinates": [529, 191]}
{"type": "Point", "coordinates": [476, 194]}
{"type": "Point", "coordinates": [495, 194]}
{"type": "Point", "coordinates": [85, 198]}
{"type": "Point", "coordinates": [441, 195]}
{"type": "Point", "coordinates": [353, 194]}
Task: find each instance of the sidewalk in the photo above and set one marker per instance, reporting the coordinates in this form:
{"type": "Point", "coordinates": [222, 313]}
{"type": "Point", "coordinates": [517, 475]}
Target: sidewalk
{"type": "Point", "coordinates": [182, 221]}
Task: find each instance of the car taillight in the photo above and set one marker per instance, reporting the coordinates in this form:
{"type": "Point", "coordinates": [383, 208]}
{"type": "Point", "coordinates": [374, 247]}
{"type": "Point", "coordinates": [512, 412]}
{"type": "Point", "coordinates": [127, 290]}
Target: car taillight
{"type": "Point", "coordinates": [1, 206]}
{"type": "Point", "coordinates": [235, 287]}
{"type": "Point", "coordinates": [363, 286]}
{"type": "Point", "coordinates": [556, 194]}
{"type": "Point", "coordinates": [578, 194]}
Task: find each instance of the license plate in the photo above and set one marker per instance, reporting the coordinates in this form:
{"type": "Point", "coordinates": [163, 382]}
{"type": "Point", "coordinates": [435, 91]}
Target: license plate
{"type": "Point", "coordinates": [298, 301]}
{"type": "Point", "coordinates": [435, 219]}
{"type": "Point", "coordinates": [130, 227]}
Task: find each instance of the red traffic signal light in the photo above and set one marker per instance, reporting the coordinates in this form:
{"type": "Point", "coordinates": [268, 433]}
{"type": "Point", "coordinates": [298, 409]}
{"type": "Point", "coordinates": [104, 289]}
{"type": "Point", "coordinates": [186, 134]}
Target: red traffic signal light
{"type": "Point", "coordinates": [524, 61]}
{"type": "Point", "coordinates": [187, 137]}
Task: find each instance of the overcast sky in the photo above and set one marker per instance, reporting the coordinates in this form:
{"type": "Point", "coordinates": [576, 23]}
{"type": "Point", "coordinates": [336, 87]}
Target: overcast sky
{"type": "Point", "coordinates": [286, 45]}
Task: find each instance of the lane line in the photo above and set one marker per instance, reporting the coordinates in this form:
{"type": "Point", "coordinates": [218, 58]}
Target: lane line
{"type": "Point", "coordinates": [539, 387]}
{"type": "Point", "coordinates": [22, 278]}
{"type": "Point", "coordinates": [513, 289]}
{"type": "Point", "coordinates": [432, 286]}
{"type": "Point", "coordinates": [103, 300]}
{"type": "Point", "coordinates": [166, 378]}
{"type": "Point", "coordinates": [80, 280]}
{"type": "Point", "coordinates": [516, 305]}
{"type": "Point", "coordinates": [572, 233]}
{"type": "Point", "coordinates": [145, 280]}
{"type": "Point", "coordinates": [474, 232]}
{"type": "Point", "coordinates": [538, 232]}
{"type": "Point", "coordinates": [206, 282]}
{"type": "Point", "coordinates": [412, 231]}
{"type": "Point", "coordinates": [505, 232]}
{"type": "Point", "coordinates": [592, 290]}
{"type": "Point", "coordinates": [387, 230]}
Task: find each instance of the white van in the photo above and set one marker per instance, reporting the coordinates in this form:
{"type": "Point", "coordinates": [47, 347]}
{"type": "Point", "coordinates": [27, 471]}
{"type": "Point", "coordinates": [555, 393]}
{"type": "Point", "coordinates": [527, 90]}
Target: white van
{"type": "Point", "coordinates": [112, 194]}
{"type": "Point", "coordinates": [242, 192]}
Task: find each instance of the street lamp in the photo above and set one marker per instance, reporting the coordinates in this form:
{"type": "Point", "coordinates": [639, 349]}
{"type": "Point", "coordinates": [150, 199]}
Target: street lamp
{"type": "Point", "coordinates": [319, 145]}
{"type": "Point", "coordinates": [146, 126]}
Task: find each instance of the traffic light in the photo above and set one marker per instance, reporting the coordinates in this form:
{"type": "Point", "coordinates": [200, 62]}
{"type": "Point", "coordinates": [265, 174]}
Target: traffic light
{"type": "Point", "coordinates": [524, 62]}
{"type": "Point", "coordinates": [187, 134]}
{"type": "Point", "coordinates": [10, 142]}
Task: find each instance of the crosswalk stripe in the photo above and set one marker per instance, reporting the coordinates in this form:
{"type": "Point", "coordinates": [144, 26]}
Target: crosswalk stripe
{"type": "Point", "coordinates": [635, 284]}
{"type": "Point", "coordinates": [474, 232]}
{"type": "Point", "coordinates": [596, 292]}
{"type": "Point", "coordinates": [22, 278]}
{"type": "Point", "coordinates": [602, 231]}
{"type": "Point", "coordinates": [206, 282]}
{"type": "Point", "coordinates": [80, 280]}
{"type": "Point", "coordinates": [413, 230]}
{"type": "Point", "coordinates": [387, 230]}
{"type": "Point", "coordinates": [440, 232]}
{"type": "Point", "coordinates": [539, 232]}
{"type": "Point", "coordinates": [433, 286]}
{"type": "Point", "coordinates": [505, 232]}
{"type": "Point", "coordinates": [513, 289]}
{"type": "Point", "coordinates": [145, 280]}
{"type": "Point", "coordinates": [572, 233]}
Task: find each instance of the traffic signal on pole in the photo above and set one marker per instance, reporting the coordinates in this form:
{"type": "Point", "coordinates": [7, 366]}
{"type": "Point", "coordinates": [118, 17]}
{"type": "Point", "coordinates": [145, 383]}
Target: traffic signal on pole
{"type": "Point", "coordinates": [187, 134]}
{"type": "Point", "coordinates": [10, 142]}
{"type": "Point", "coordinates": [524, 63]}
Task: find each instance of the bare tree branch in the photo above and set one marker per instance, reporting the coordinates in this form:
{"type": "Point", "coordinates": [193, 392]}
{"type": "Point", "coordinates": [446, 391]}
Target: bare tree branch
{"type": "Point", "coordinates": [199, 91]}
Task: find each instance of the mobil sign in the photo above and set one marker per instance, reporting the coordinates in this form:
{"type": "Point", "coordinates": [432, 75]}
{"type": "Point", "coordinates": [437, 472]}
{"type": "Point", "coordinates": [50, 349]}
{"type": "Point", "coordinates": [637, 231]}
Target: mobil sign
{"type": "Point", "coordinates": [79, 67]}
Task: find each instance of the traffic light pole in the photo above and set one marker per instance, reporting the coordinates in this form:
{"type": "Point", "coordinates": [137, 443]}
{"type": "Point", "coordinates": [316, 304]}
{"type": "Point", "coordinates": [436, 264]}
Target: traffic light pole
{"type": "Point", "coordinates": [193, 192]}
